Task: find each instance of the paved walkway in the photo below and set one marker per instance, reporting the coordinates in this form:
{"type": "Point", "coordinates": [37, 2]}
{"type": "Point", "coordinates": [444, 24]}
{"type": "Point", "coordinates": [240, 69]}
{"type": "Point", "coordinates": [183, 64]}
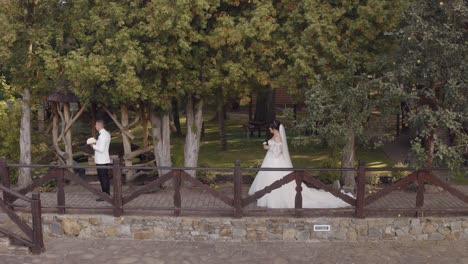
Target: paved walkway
{"type": "Point", "coordinates": [76, 196]}
{"type": "Point", "coordinates": [71, 251]}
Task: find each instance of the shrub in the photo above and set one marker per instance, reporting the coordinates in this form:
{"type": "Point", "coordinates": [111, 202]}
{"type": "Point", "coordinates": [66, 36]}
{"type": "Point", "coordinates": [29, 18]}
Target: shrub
{"type": "Point", "coordinates": [397, 175]}
{"type": "Point", "coordinates": [329, 177]}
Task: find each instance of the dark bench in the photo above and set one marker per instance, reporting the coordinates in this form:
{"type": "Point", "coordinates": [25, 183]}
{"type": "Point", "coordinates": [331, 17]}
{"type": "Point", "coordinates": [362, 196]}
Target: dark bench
{"type": "Point", "coordinates": [254, 126]}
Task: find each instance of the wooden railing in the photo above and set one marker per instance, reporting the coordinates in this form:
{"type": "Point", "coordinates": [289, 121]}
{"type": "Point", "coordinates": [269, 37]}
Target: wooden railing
{"type": "Point", "coordinates": [30, 236]}
{"type": "Point", "coordinates": [237, 204]}
{"type": "Point", "coordinates": [421, 177]}
{"type": "Point", "coordinates": [62, 173]}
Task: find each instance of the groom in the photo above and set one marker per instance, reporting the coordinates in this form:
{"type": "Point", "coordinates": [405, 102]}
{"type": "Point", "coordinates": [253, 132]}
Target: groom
{"type": "Point", "coordinates": [101, 156]}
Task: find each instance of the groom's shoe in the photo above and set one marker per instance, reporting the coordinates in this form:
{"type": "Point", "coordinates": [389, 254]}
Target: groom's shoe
{"type": "Point", "coordinates": [99, 199]}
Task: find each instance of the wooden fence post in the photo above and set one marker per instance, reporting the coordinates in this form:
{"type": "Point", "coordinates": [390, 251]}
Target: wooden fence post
{"type": "Point", "coordinates": [299, 177]}
{"type": "Point", "coordinates": [361, 189]}
{"type": "Point", "coordinates": [61, 190]}
{"type": "Point", "coordinates": [420, 195]}
{"type": "Point", "coordinates": [237, 189]}
{"type": "Point", "coordinates": [36, 214]}
{"type": "Point", "coordinates": [177, 199]}
{"type": "Point", "coordinates": [117, 182]}
{"type": "Point", "coordinates": [5, 179]}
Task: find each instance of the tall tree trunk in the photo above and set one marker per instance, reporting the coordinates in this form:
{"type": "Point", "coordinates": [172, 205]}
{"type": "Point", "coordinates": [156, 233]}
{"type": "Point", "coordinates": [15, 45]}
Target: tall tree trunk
{"type": "Point", "coordinates": [250, 109]}
{"type": "Point", "coordinates": [68, 134]}
{"type": "Point", "coordinates": [61, 155]}
{"type": "Point", "coordinates": [347, 161]}
{"type": "Point", "coordinates": [176, 116]}
{"type": "Point", "coordinates": [144, 117]}
{"type": "Point", "coordinates": [221, 113]}
{"type": "Point", "coordinates": [40, 117]}
{"type": "Point", "coordinates": [161, 133]}
{"type": "Point", "coordinates": [429, 145]}
{"type": "Point", "coordinates": [126, 141]}
{"type": "Point", "coordinates": [24, 178]}
{"type": "Point", "coordinates": [194, 129]}
{"type": "Point", "coordinates": [93, 119]}
{"type": "Point", "coordinates": [265, 110]}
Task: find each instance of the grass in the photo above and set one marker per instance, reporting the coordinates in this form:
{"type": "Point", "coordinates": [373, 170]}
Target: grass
{"type": "Point", "coordinates": [251, 153]}
{"type": "Point", "coordinates": [250, 150]}
{"type": "Point", "coordinates": [461, 178]}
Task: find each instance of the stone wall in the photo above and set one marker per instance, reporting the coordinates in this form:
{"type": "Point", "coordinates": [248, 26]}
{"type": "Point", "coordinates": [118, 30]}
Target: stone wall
{"type": "Point", "coordinates": [253, 229]}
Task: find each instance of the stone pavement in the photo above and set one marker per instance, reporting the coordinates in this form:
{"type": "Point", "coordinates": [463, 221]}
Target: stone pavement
{"type": "Point", "coordinates": [71, 251]}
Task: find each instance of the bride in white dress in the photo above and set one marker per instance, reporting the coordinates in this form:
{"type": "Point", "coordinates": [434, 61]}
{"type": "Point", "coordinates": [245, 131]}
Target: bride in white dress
{"type": "Point", "coordinates": [277, 156]}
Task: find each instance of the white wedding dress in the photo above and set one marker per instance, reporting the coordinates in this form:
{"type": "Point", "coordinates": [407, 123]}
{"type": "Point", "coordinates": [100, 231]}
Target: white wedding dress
{"type": "Point", "coordinates": [277, 156]}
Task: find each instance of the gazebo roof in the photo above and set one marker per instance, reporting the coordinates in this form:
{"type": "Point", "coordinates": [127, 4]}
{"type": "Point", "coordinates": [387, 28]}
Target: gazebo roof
{"type": "Point", "coordinates": [63, 95]}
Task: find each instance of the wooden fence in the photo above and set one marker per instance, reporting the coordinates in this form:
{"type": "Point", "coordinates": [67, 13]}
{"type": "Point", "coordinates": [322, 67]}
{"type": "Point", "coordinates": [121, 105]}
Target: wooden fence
{"type": "Point", "coordinates": [31, 236]}
{"type": "Point", "coordinates": [236, 203]}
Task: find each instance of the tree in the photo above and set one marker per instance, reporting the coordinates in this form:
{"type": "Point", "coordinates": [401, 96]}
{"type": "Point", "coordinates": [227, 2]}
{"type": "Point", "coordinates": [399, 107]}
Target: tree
{"type": "Point", "coordinates": [265, 106]}
{"type": "Point", "coordinates": [247, 56]}
{"type": "Point", "coordinates": [27, 32]}
{"type": "Point", "coordinates": [431, 63]}
{"type": "Point", "coordinates": [333, 48]}
{"type": "Point", "coordinates": [227, 59]}
{"type": "Point", "coordinates": [103, 61]}
{"type": "Point", "coordinates": [265, 48]}
{"type": "Point", "coordinates": [162, 38]}
{"type": "Point", "coordinates": [10, 115]}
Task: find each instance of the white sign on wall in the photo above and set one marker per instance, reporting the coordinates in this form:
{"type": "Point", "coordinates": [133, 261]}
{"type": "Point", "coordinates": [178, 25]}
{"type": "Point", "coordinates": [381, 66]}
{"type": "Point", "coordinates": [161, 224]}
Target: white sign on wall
{"type": "Point", "coordinates": [322, 228]}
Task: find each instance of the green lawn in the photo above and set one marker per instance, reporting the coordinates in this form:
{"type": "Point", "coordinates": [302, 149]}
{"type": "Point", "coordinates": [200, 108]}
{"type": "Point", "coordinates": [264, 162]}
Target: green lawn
{"type": "Point", "coordinates": [250, 150]}
{"type": "Point", "coordinates": [251, 153]}
{"type": "Point", "coordinates": [461, 177]}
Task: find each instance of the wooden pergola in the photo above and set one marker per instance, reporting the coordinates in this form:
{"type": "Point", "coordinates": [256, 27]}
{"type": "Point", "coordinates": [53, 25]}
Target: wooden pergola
{"type": "Point", "coordinates": [62, 131]}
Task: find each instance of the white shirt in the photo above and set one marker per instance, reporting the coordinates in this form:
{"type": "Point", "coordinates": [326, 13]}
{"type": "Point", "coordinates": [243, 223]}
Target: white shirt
{"type": "Point", "coordinates": [101, 148]}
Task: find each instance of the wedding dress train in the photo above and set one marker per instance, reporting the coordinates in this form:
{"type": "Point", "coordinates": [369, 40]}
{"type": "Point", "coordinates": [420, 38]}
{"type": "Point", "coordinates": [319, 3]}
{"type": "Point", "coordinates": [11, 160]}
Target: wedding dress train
{"type": "Point", "coordinates": [277, 156]}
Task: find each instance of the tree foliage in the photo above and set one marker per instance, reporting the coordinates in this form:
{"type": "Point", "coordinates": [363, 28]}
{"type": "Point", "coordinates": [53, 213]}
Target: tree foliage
{"type": "Point", "coordinates": [351, 61]}
{"type": "Point", "coordinates": [335, 62]}
{"type": "Point", "coordinates": [432, 64]}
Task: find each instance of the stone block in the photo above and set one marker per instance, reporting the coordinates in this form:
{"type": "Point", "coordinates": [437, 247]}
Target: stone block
{"type": "Point", "coordinates": [422, 237]}
{"type": "Point", "coordinates": [429, 228]}
{"type": "Point", "coordinates": [362, 230]}
{"type": "Point", "coordinates": [238, 224]}
{"type": "Point", "coordinates": [374, 232]}
{"type": "Point", "coordinates": [225, 232]}
{"type": "Point", "coordinates": [400, 223]}
{"type": "Point", "coordinates": [93, 221]}
{"type": "Point", "coordinates": [239, 234]}
{"type": "Point", "coordinates": [443, 230]}
{"type": "Point", "coordinates": [303, 235]}
{"type": "Point", "coordinates": [71, 227]}
{"type": "Point", "coordinates": [402, 234]}
{"type": "Point", "coordinates": [456, 226]}
{"type": "Point", "coordinates": [56, 229]}
{"type": "Point", "coordinates": [415, 222]}
{"type": "Point", "coordinates": [436, 236]}
{"type": "Point", "coordinates": [339, 235]}
{"type": "Point", "coordinates": [416, 230]}
{"type": "Point", "coordinates": [143, 235]}
{"type": "Point", "coordinates": [112, 231]}
{"type": "Point", "coordinates": [161, 233]}
{"type": "Point", "coordinates": [289, 234]}
{"type": "Point", "coordinates": [125, 230]}
{"type": "Point", "coordinates": [351, 235]}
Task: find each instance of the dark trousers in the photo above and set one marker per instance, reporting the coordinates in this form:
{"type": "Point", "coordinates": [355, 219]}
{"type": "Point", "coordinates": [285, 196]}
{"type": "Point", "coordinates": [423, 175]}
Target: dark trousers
{"type": "Point", "coordinates": [104, 178]}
